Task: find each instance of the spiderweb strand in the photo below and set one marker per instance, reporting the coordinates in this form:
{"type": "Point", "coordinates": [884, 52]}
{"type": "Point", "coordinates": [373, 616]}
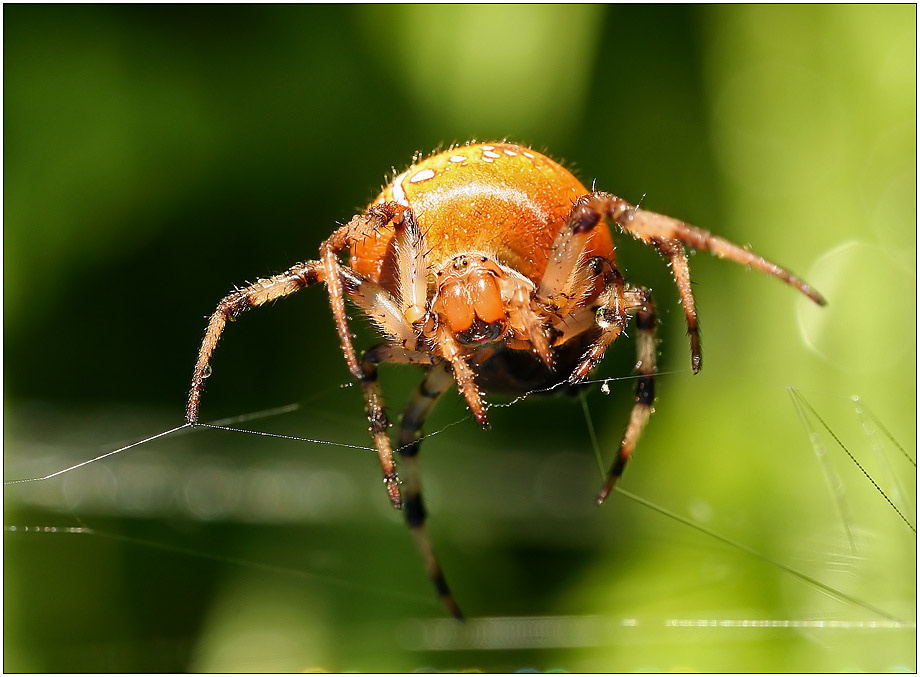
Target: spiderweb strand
{"type": "Point", "coordinates": [284, 437]}
{"type": "Point", "coordinates": [186, 426]}
{"type": "Point", "coordinates": [834, 483]}
{"type": "Point", "coordinates": [804, 402]}
{"type": "Point", "coordinates": [824, 587]}
{"type": "Point", "coordinates": [100, 457]}
{"type": "Point", "coordinates": [861, 408]}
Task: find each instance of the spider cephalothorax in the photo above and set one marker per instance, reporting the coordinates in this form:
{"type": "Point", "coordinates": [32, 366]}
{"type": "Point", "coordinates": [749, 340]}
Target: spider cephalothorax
{"type": "Point", "coordinates": [492, 267]}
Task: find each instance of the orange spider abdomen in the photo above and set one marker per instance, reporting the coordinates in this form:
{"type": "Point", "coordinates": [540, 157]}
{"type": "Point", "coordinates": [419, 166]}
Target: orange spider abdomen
{"type": "Point", "coordinates": [500, 199]}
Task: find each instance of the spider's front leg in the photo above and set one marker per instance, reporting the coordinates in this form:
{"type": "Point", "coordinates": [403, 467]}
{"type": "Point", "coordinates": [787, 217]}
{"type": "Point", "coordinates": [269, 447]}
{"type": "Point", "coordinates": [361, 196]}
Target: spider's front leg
{"type": "Point", "coordinates": [670, 237]}
{"type": "Point", "coordinates": [393, 316]}
{"type": "Point", "coordinates": [567, 285]}
{"type": "Point", "coordinates": [570, 281]}
{"type": "Point", "coordinates": [397, 316]}
{"type": "Point", "coordinates": [262, 291]}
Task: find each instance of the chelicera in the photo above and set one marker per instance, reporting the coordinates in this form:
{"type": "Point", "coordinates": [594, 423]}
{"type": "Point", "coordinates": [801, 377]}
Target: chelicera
{"type": "Point", "coordinates": [493, 268]}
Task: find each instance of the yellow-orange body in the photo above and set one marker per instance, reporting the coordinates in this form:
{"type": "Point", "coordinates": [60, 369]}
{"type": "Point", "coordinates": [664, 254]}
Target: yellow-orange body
{"type": "Point", "coordinates": [501, 199]}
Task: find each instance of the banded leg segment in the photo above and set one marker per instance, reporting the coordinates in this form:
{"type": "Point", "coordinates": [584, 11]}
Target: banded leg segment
{"type": "Point", "coordinates": [389, 314]}
{"type": "Point", "coordinates": [235, 304]}
{"type": "Point", "coordinates": [680, 269]}
{"type": "Point", "coordinates": [639, 301]}
{"type": "Point", "coordinates": [436, 382]}
{"type": "Point", "coordinates": [379, 423]}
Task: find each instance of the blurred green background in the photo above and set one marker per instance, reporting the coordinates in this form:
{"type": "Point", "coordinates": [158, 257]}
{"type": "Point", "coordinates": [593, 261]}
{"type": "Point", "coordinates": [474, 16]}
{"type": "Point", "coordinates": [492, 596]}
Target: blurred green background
{"type": "Point", "coordinates": [155, 156]}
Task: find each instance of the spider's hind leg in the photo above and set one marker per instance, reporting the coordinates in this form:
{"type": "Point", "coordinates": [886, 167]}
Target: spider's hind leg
{"type": "Point", "coordinates": [438, 379]}
{"type": "Point", "coordinates": [436, 382]}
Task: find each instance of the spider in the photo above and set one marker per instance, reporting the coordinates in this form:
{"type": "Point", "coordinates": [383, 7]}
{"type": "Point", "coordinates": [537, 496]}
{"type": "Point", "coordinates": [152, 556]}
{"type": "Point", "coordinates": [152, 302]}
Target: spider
{"type": "Point", "coordinates": [493, 268]}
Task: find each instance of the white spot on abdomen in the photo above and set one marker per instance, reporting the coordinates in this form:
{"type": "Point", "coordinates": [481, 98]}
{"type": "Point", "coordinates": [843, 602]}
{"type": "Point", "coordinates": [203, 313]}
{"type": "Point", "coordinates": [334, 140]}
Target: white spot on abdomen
{"type": "Point", "coordinates": [399, 195]}
{"type": "Point", "coordinates": [423, 175]}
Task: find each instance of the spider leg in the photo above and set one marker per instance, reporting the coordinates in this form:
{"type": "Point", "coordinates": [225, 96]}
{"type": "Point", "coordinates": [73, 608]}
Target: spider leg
{"type": "Point", "coordinates": [523, 316]}
{"type": "Point", "coordinates": [436, 382]}
{"type": "Point", "coordinates": [361, 226]}
{"type": "Point", "coordinates": [610, 317]}
{"type": "Point", "coordinates": [391, 315]}
{"type": "Point", "coordinates": [379, 423]}
{"type": "Point", "coordinates": [638, 301]}
{"type": "Point", "coordinates": [232, 306]}
{"type": "Point", "coordinates": [394, 316]}
{"type": "Point", "coordinates": [649, 226]}
{"type": "Point", "coordinates": [674, 251]}
{"type": "Point", "coordinates": [279, 286]}
{"type": "Point", "coordinates": [565, 257]}
{"type": "Point", "coordinates": [669, 236]}
{"type": "Point", "coordinates": [450, 350]}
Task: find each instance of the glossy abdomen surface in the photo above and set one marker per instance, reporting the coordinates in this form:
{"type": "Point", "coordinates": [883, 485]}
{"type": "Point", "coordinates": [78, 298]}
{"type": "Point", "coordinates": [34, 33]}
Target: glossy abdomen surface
{"type": "Point", "coordinates": [500, 199]}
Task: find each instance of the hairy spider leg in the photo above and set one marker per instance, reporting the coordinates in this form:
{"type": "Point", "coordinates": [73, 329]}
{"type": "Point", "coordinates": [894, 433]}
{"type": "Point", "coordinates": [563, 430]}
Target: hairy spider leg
{"type": "Point", "coordinates": [450, 350]}
{"type": "Point", "coordinates": [392, 315]}
{"type": "Point", "coordinates": [569, 278]}
{"type": "Point", "coordinates": [436, 382]}
{"type": "Point", "coordinates": [379, 422]}
{"type": "Point", "coordinates": [669, 236]}
{"type": "Point", "coordinates": [674, 251]}
{"type": "Point", "coordinates": [438, 379]}
{"type": "Point", "coordinates": [403, 317]}
{"type": "Point", "coordinates": [610, 317]}
{"type": "Point", "coordinates": [638, 301]}
{"type": "Point", "coordinates": [386, 311]}
{"type": "Point", "coordinates": [232, 306]}
{"type": "Point", "coordinates": [398, 316]}
{"type": "Point", "coordinates": [361, 226]}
